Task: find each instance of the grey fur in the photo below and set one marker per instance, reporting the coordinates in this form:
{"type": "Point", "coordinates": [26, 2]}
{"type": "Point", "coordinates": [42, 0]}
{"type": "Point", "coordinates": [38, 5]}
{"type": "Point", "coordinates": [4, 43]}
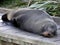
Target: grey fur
{"type": "Point", "coordinates": [36, 21]}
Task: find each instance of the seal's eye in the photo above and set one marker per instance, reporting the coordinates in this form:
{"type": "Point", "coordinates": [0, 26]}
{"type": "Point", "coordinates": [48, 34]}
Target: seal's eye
{"type": "Point", "coordinates": [50, 29]}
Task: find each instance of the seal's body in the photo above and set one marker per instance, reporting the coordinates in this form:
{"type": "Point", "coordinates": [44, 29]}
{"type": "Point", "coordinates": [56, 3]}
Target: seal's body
{"type": "Point", "coordinates": [35, 21]}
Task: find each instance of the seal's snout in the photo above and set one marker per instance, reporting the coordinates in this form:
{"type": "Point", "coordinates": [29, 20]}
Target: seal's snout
{"type": "Point", "coordinates": [47, 34]}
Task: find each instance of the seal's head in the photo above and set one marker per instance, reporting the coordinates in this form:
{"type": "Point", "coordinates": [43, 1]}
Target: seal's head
{"type": "Point", "coordinates": [49, 30]}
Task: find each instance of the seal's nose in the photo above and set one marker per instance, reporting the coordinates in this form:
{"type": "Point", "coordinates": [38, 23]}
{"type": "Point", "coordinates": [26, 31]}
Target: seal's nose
{"type": "Point", "coordinates": [47, 34]}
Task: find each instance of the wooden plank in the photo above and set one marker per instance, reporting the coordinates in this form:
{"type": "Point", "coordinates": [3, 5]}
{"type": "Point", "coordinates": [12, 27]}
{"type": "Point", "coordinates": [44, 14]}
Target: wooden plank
{"type": "Point", "coordinates": [14, 33]}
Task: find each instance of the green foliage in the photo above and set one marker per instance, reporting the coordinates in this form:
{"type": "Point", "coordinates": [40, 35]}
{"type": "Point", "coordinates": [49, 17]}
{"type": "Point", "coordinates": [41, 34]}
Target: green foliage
{"type": "Point", "coordinates": [52, 7]}
{"type": "Point", "coordinates": [12, 3]}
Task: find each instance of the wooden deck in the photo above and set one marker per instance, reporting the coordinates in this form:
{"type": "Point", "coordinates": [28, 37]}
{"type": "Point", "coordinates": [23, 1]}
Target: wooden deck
{"type": "Point", "coordinates": [10, 34]}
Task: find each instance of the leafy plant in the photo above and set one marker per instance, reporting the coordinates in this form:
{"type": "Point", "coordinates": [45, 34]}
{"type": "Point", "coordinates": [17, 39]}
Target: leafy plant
{"type": "Point", "coordinates": [12, 3]}
{"type": "Point", "coordinates": [51, 7]}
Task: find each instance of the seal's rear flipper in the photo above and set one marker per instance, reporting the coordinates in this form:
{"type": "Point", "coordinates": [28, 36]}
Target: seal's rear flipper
{"type": "Point", "coordinates": [4, 17]}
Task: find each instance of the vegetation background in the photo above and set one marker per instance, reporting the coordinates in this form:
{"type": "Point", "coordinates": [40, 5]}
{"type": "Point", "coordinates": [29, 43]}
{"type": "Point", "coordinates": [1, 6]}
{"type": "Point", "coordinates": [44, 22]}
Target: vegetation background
{"type": "Point", "coordinates": [19, 3]}
{"type": "Point", "coordinates": [50, 6]}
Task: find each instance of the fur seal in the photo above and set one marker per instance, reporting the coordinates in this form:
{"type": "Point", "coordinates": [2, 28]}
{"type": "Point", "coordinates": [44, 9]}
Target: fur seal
{"type": "Point", "coordinates": [34, 21]}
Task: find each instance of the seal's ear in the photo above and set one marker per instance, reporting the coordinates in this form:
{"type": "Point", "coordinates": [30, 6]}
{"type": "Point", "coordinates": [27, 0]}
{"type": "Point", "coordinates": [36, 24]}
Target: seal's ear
{"type": "Point", "coordinates": [4, 18]}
